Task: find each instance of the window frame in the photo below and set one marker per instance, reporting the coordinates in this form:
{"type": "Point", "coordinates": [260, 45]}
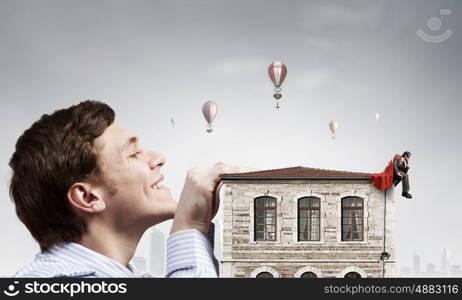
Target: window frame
{"type": "Point", "coordinates": [352, 208]}
{"type": "Point", "coordinates": [309, 209]}
{"type": "Point", "coordinates": [264, 209]}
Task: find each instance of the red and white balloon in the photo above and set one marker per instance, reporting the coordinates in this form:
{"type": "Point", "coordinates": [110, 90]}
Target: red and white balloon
{"type": "Point", "coordinates": [277, 72]}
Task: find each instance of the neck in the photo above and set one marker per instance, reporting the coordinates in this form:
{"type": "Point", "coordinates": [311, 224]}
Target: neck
{"type": "Point", "coordinates": [115, 244]}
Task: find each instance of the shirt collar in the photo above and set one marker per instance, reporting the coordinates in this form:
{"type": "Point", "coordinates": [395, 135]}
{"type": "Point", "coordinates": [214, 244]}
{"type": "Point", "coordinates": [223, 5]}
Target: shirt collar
{"type": "Point", "coordinates": [78, 255]}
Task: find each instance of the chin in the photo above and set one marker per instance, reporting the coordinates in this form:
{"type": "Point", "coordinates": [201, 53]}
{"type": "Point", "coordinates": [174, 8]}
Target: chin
{"type": "Point", "coordinates": [156, 216]}
{"type": "Point", "coordinates": [166, 208]}
{"type": "Point", "coordinates": [170, 211]}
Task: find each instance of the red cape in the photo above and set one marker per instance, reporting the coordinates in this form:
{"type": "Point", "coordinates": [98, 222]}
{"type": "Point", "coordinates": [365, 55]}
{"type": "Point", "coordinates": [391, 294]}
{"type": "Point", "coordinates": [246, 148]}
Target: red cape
{"type": "Point", "coordinates": [384, 180]}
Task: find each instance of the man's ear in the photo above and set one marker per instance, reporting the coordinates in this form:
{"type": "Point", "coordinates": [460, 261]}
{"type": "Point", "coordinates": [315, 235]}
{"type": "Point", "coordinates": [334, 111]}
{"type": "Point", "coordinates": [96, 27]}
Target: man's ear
{"type": "Point", "coordinates": [86, 197]}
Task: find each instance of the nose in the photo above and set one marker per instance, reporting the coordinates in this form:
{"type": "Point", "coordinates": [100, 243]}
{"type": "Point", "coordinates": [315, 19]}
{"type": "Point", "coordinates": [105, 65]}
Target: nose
{"type": "Point", "coordinates": [156, 160]}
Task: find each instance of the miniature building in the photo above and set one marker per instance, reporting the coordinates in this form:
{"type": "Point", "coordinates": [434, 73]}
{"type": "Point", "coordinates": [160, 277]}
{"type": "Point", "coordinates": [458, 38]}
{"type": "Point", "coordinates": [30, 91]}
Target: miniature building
{"type": "Point", "coordinates": [305, 222]}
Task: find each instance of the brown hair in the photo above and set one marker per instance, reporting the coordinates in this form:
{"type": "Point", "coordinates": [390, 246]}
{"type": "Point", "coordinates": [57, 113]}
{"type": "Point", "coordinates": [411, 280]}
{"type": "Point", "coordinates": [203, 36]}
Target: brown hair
{"type": "Point", "coordinates": [54, 153]}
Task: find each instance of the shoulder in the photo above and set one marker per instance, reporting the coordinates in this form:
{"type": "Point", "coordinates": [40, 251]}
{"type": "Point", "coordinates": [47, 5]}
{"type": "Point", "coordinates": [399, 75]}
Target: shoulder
{"type": "Point", "coordinates": [53, 268]}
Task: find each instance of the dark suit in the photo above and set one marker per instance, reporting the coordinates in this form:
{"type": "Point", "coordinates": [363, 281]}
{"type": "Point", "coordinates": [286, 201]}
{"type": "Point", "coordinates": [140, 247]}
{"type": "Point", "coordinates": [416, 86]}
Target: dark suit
{"type": "Point", "coordinates": [400, 167]}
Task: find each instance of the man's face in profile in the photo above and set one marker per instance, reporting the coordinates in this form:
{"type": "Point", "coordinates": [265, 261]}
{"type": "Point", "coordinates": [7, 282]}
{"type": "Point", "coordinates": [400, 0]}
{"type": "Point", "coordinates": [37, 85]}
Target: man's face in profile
{"type": "Point", "coordinates": [130, 173]}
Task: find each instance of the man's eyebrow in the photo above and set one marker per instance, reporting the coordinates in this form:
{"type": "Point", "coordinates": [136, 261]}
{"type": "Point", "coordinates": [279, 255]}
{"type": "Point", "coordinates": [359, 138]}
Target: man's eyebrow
{"type": "Point", "coordinates": [128, 143]}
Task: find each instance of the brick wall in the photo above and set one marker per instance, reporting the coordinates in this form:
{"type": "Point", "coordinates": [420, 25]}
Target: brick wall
{"type": "Point", "coordinates": [287, 257]}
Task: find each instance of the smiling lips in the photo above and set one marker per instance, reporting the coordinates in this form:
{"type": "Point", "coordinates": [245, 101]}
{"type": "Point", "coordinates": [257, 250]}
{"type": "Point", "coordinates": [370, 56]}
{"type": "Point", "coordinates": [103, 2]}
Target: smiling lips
{"type": "Point", "coordinates": [157, 185]}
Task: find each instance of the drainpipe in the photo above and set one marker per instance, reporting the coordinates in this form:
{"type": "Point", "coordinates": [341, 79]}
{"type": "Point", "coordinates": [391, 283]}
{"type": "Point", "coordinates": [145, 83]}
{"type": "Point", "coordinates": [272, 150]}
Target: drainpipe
{"type": "Point", "coordinates": [384, 230]}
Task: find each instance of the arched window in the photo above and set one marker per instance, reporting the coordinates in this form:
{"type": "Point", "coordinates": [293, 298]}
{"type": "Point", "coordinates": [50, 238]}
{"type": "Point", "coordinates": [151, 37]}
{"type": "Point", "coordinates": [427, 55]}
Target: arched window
{"type": "Point", "coordinates": [265, 219]}
{"type": "Point", "coordinates": [352, 272]}
{"type": "Point", "coordinates": [352, 219]}
{"type": "Point", "coordinates": [308, 272]}
{"type": "Point", "coordinates": [264, 272]}
{"type": "Point", "coordinates": [309, 219]}
{"type": "Point", "coordinates": [308, 275]}
{"type": "Point", "coordinates": [352, 275]}
{"type": "Point", "coordinates": [265, 275]}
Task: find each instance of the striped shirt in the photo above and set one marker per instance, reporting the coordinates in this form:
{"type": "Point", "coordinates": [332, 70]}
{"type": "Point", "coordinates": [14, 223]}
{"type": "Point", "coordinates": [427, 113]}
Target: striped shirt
{"type": "Point", "coordinates": [189, 254]}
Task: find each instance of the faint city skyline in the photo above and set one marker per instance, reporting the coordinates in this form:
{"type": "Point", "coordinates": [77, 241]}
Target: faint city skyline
{"type": "Point", "coordinates": [218, 247]}
{"type": "Point", "coordinates": [445, 269]}
{"type": "Point", "coordinates": [140, 263]}
{"type": "Point", "coordinates": [157, 253]}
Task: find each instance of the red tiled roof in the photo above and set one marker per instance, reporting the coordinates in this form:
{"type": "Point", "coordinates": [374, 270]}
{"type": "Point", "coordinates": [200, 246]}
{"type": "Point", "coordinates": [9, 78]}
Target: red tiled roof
{"type": "Point", "coordinates": [297, 173]}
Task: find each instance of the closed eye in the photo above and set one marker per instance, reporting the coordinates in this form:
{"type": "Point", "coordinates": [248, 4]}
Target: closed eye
{"type": "Point", "coordinates": [135, 155]}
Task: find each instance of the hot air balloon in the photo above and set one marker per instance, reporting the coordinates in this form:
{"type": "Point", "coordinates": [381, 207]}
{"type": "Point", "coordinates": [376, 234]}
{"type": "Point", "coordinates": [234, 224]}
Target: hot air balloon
{"type": "Point", "coordinates": [277, 72]}
{"type": "Point", "coordinates": [209, 110]}
{"type": "Point", "coordinates": [333, 125]}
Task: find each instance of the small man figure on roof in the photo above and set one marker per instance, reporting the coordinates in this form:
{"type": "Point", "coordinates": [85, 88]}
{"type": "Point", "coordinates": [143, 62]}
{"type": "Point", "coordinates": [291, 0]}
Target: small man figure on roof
{"type": "Point", "coordinates": [394, 173]}
{"type": "Point", "coordinates": [400, 169]}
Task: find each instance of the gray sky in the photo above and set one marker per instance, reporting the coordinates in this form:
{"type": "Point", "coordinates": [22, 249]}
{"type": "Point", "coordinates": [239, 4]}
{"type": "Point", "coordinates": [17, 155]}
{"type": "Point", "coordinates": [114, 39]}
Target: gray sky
{"type": "Point", "coordinates": [347, 60]}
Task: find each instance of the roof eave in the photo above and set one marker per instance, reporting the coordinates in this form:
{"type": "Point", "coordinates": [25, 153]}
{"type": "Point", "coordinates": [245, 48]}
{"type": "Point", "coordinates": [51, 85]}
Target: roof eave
{"type": "Point", "coordinates": [236, 178]}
